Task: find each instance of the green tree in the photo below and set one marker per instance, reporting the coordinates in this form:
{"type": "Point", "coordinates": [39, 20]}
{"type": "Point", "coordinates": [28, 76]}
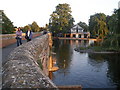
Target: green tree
{"type": "Point", "coordinates": [61, 19]}
{"type": "Point", "coordinates": [7, 25]}
{"type": "Point", "coordinates": [83, 25]}
{"type": "Point", "coordinates": [118, 29]}
{"type": "Point", "coordinates": [118, 13]}
{"type": "Point", "coordinates": [98, 26]}
{"type": "Point", "coordinates": [35, 27]}
{"type": "Point", "coordinates": [113, 38]}
{"type": "Point", "coordinates": [26, 28]}
{"type": "Point", "coordinates": [112, 23]}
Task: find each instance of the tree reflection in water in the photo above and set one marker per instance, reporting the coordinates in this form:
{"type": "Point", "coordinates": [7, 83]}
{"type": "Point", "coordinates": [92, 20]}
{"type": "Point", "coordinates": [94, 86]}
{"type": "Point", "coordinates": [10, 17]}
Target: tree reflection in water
{"type": "Point", "coordinates": [105, 67]}
{"type": "Point", "coordinates": [113, 62]}
{"type": "Point", "coordinates": [63, 56]}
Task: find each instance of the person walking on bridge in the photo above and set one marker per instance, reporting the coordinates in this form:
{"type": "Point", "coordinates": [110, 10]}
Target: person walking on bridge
{"type": "Point", "coordinates": [29, 35]}
{"type": "Point", "coordinates": [19, 36]}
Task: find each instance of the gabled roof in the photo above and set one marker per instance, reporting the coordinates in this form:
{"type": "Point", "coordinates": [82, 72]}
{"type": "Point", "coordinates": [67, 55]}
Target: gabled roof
{"type": "Point", "coordinates": [77, 26]}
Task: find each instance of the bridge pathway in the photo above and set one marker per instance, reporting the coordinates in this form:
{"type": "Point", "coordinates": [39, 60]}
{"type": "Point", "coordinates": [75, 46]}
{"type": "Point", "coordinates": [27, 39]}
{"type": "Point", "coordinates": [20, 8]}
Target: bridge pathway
{"type": "Point", "coordinates": [6, 50]}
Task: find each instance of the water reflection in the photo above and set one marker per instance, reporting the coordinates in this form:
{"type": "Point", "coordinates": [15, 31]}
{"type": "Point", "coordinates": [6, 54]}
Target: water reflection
{"type": "Point", "coordinates": [64, 53]}
{"type": "Point", "coordinates": [96, 60]}
{"type": "Point", "coordinates": [114, 68]}
{"type": "Point", "coordinates": [113, 63]}
{"type": "Point", "coordinates": [85, 68]}
{"type": "Point", "coordinates": [64, 50]}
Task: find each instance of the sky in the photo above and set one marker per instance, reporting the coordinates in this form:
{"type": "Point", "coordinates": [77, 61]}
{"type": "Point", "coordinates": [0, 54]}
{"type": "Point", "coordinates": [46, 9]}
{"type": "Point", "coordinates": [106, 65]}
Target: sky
{"type": "Point", "coordinates": [24, 12]}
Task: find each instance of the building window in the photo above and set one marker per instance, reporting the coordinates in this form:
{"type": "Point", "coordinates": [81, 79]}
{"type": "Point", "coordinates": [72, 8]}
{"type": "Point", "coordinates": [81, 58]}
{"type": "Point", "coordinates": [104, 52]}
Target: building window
{"type": "Point", "coordinates": [85, 35]}
{"type": "Point", "coordinates": [74, 35]}
{"type": "Point", "coordinates": [68, 35]}
{"type": "Point", "coordinates": [79, 36]}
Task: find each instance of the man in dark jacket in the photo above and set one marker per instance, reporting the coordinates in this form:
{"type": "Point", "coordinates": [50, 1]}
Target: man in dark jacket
{"type": "Point", "coordinates": [29, 35]}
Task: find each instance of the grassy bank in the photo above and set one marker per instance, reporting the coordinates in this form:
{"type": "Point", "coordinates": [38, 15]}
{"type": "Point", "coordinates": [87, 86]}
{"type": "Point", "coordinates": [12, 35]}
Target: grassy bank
{"type": "Point", "coordinates": [100, 49]}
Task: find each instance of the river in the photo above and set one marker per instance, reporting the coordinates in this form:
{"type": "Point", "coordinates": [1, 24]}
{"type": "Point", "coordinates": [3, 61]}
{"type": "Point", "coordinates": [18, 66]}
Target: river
{"type": "Point", "coordinates": [86, 69]}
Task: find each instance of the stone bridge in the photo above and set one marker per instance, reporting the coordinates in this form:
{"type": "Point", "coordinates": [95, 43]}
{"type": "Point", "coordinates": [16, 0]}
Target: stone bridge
{"type": "Point", "coordinates": [8, 39]}
{"type": "Point", "coordinates": [27, 65]}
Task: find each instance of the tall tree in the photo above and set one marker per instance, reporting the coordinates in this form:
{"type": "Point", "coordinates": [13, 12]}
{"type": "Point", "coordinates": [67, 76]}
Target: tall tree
{"type": "Point", "coordinates": [112, 23]}
{"type": "Point", "coordinates": [98, 26]}
{"type": "Point", "coordinates": [26, 28]}
{"type": "Point", "coordinates": [118, 13]}
{"type": "Point", "coordinates": [113, 39]}
{"type": "Point", "coordinates": [61, 19]}
{"type": "Point", "coordinates": [118, 29]}
{"type": "Point", "coordinates": [35, 27]}
{"type": "Point", "coordinates": [7, 25]}
{"type": "Point", "coordinates": [83, 25]}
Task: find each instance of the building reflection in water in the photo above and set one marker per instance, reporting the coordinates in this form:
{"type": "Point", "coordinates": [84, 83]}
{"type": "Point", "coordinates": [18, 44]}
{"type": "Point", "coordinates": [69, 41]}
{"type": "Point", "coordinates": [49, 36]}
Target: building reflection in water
{"type": "Point", "coordinates": [52, 65]}
{"type": "Point", "coordinates": [64, 50]}
{"type": "Point", "coordinates": [51, 75]}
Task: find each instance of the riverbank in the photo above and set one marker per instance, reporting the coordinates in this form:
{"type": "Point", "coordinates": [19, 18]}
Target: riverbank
{"type": "Point", "coordinates": [96, 49]}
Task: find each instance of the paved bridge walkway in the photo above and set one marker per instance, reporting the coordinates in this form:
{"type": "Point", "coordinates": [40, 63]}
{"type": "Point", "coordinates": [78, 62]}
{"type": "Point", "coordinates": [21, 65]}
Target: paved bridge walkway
{"type": "Point", "coordinates": [6, 50]}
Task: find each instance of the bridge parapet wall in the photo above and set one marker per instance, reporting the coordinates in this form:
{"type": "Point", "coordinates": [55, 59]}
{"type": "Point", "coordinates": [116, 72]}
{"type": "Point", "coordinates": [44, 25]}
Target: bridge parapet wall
{"type": "Point", "coordinates": [22, 69]}
{"type": "Point", "coordinates": [7, 39]}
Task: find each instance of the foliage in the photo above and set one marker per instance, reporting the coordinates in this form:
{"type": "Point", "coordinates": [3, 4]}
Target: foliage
{"type": "Point", "coordinates": [107, 28]}
{"type": "Point", "coordinates": [7, 25]}
{"type": "Point", "coordinates": [42, 28]}
{"type": "Point", "coordinates": [98, 26]}
{"type": "Point", "coordinates": [61, 19]}
{"type": "Point", "coordinates": [83, 48]}
{"type": "Point", "coordinates": [35, 27]}
{"type": "Point", "coordinates": [112, 23]}
{"type": "Point", "coordinates": [118, 14]}
{"type": "Point", "coordinates": [83, 25]}
{"type": "Point", "coordinates": [40, 64]}
{"type": "Point", "coordinates": [26, 28]}
{"type": "Point", "coordinates": [112, 41]}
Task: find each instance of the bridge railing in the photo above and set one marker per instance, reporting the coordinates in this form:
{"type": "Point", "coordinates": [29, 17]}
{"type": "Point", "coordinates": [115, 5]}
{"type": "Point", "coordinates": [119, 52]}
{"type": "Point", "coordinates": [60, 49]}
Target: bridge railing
{"type": "Point", "coordinates": [7, 39]}
{"type": "Point", "coordinates": [22, 69]}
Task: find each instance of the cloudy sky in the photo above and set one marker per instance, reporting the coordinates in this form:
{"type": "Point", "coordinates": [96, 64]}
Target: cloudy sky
{"type": "Point", "coordinates": [23, 12]}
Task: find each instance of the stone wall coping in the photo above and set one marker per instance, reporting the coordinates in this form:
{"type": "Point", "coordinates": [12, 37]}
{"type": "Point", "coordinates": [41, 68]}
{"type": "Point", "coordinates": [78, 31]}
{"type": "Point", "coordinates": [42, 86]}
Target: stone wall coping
{"type": "Point", "coordinates": [22, 71]}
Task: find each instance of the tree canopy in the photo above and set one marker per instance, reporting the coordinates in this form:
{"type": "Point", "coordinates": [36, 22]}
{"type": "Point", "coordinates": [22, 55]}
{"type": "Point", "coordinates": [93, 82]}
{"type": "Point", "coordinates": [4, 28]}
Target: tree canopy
{"type": "Point", "coordinates": [61, 19]}
{"type": "Point", "coordinates": [118, 15]}
{"type": "Point", "coordinates": [84, 26]}
{"type": "Point", "coordinates": [26, 28]}
{"type": "Point", "coordinates": [98, 26]}
{"type": "Point", "coordinates": [7, 25]}
{"type": "Point", "coordinates": [35, 27]}
{"type": "Point", "coordinates": [113, 23]}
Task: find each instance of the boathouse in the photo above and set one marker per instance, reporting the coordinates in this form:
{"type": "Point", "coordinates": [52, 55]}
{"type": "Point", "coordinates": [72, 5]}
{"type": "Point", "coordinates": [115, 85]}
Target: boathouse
{"type": "Point", "coordinates": [77, 32]}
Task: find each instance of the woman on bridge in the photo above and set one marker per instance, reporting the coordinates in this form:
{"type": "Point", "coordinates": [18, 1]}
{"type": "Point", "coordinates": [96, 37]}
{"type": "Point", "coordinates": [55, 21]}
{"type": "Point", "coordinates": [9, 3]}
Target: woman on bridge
{"type": "Point", "coordinates": [19, 37]}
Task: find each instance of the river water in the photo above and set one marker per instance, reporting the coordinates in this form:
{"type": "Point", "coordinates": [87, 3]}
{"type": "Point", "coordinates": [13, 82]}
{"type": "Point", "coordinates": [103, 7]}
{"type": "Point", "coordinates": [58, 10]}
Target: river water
{"type": "Point", "coordinates": [86, 69]}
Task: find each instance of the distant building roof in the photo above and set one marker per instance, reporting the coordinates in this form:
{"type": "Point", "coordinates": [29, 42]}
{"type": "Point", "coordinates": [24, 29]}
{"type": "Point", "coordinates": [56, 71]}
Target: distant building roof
{"type": "Point", "coordinates": [76, 29]}
{"type": "Point", "coordinates": [77, 26]}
